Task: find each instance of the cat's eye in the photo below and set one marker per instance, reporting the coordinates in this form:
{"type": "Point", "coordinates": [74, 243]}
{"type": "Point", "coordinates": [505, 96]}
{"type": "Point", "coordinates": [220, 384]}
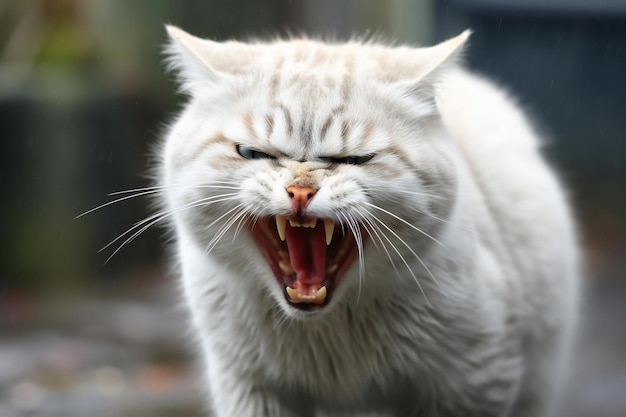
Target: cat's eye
{"type": "Point", "coordinates": [251, 153]}
{"type": "Point", "coordinates": [351, 160]}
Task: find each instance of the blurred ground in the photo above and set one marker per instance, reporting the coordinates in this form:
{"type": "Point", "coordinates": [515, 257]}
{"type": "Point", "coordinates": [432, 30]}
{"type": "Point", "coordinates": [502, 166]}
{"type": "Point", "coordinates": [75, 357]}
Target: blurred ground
{"type": "Point", "coordinates": [105, 357]}
{"type": "Point", "coordinates": [129, 356]}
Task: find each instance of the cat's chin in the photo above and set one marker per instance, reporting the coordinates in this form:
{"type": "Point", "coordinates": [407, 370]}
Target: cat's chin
{"type": "Point", "coordinates": [308, 257]}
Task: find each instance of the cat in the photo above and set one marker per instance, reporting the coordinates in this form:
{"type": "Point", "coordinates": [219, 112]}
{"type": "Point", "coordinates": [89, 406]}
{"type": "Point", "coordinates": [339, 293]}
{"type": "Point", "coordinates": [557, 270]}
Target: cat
{"type": "Point", "coordinates": [363, 228]}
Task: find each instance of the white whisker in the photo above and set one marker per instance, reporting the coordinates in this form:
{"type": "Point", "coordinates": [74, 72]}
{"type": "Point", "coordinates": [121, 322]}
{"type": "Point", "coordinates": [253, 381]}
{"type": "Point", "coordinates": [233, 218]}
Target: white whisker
{"type": "Point", "coordinates": [356, 231]}
{"type": "Point", "coordinates": [405, 222]}
{"type": "Point", "coordinates": [239, 212]}
{"type": "Point", "coordinates": [411, 250]}
{"type": "Point", "coordinates": [113, 202]}
{"type": "Point", "coordinates": [138, 192]}
{"type": "Point", "coordinates": [416, 193]}
{"type": "Point", "coordinates": [402, 257]}
{"type": "Point", "coordinates": [212, 184]}
{"type": "Point", "coordinates": [155, 218]}
{"type": "Point", "coordinates": [376, 230]}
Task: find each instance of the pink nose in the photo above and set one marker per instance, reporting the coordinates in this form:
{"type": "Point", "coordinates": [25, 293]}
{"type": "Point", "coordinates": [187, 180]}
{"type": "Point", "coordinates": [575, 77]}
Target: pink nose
{"type": "Point", "coordinates": [300, 198]}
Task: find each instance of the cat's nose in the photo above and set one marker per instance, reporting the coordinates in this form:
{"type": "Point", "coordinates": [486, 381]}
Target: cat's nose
{"type": "Point", "coordinates": [300, 198]}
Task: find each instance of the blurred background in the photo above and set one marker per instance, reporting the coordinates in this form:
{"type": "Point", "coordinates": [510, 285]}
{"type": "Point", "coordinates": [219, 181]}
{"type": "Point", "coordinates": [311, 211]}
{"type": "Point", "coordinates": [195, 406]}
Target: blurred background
{"type": "Point", "coordinates": [84, 97]}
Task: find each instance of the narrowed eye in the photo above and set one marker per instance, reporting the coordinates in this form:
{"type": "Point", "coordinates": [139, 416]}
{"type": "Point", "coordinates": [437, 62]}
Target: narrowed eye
{"type": "Point", "coordinates": [250, 153]}
{"type": "Point", "coordinates": [351, 160]}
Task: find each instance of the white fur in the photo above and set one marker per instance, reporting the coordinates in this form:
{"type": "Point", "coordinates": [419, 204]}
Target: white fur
{"type": "Point", "coordinates": [478, 325]}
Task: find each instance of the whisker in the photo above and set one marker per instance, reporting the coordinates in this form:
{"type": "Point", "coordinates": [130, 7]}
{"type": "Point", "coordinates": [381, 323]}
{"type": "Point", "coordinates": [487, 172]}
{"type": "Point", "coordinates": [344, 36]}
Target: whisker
{"type": "Point", "coordinates": [113, 202]}
{"type": "Point", "coordinates": [216, 199]}
{"type": "Point", "coordinates": [354, 228]}
{"type": "Point", "coordinates": [150, 190]}
{"type": "Point", "coordinates": [155, 218]}
{"type": "Point", "coordinates": [239, 227]}
{"type": "Point", "coordinates": [132, 237]}
{"type": "Point", "coordinates": [405, 222]}
{"type": "Point", "coordinates": [207, 227]}
{"type": "Point", "coordinates": [376, 230]}
{"type": "Point", "coordinates": [239, 212]}
{"type": "Point", "coordinates": [402, 257]}
{"type": "Point", "coordinates": [212, 184]}
{"type": "Point", "coordinates": [473, 231]}
{"type": "Point", "coordinates": [413, 252]}
{"type": "Point", "coordinates": [417, 193]}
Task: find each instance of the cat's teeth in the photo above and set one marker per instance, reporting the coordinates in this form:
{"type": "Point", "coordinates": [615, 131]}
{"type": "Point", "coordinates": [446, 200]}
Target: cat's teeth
{"type": "Point", "coordinates": [320, 296]}
{"type": "Point", "coordinates": [281, 222]}
{"type": "Point", "coordinates": [311, 223]}
{"type": "Point", "coordinates": [296, 297]}
{"type": "Point", "coordinates": [329, 227]}
{"type": "Point", "coordinates": [293, 294]}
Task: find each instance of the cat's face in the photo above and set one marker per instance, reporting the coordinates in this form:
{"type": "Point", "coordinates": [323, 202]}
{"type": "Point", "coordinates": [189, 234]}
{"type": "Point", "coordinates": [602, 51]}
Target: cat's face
{"type": "Point", "coordinates": [302, 157]}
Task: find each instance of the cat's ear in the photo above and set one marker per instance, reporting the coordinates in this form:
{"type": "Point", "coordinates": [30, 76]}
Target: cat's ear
{"type": "Point", "coordinates": [436, 58]}
{"type": "Point", "coordinates": [202, 61]}
{"type": "Point", "coordinates": [425, 66]}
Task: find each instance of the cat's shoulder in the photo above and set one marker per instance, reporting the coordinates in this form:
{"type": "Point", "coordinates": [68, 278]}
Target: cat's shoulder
{"type": "Point", "coordinates": [476, 108]}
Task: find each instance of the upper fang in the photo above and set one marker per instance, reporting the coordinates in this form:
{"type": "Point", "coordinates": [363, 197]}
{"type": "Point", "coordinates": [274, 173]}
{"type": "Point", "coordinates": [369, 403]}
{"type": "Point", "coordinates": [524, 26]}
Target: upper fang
{"type": "Point", "coordinates": [329, 227]}
{"type": "Point", "coordinates": [281, 222]}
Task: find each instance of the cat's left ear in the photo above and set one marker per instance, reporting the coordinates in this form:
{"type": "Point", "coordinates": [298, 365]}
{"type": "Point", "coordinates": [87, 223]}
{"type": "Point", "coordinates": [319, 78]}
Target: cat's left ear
{"type": "Point", "coordinates": [443, 54]}
{"type": "Point", "coordinates": [204, 62]}
{"type": "Point", "coordinates": [427, 65]}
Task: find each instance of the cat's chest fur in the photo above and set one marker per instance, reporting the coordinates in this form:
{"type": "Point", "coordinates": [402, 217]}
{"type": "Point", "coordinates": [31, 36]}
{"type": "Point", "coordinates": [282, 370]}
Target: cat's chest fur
{"type": "Point", "coordinates": [390, 349]}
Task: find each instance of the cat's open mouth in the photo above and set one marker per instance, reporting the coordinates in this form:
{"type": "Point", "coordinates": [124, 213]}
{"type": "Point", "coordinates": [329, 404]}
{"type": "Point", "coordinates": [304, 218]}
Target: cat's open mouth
{"type": "Point", "coordinates": [307, 255]}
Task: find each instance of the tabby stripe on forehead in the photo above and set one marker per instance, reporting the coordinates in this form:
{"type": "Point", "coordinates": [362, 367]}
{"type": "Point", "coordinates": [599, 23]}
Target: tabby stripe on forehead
{"type": "Point", "coordinates": [288, 120]}
{"type": "Point", "coordinates": [345, 88]}
{"type": "Point", "coordinates": [249, 125]}
{"type": "Point", "coordinates": [367, 133]}
{"type": "Point", "coordinates": [338, 110]}
{"type": "Point", "coordinates": [269, 122]}
{"type": "Point", "coordinates": [345, 134]}
{"type": "Point", "coordinates": [306, 127]}
{"type": "Point", "coordinates": [325, 127]}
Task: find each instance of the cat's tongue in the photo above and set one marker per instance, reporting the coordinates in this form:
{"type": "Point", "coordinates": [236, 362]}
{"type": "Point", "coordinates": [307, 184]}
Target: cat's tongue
{"type": "Point", "coordinates": [307, 252]}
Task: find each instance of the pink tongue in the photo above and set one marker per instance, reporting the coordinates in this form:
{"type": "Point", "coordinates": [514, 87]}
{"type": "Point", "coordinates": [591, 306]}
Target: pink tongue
{"type": "Point", "coordinates": [307, 250]}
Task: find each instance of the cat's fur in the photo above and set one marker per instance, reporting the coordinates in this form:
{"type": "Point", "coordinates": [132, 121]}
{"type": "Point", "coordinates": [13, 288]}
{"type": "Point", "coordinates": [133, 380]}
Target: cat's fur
{"type": "Point", "coordinates": [463, 300]}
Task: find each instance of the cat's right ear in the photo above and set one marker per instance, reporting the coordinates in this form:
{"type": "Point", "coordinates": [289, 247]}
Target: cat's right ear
{"type": "Point", "coordinates": [201, 62]}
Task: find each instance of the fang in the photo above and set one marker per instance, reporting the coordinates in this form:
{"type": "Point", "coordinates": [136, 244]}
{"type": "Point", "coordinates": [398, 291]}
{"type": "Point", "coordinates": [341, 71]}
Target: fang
{"type": "Point", "coordinates": [329, 228]}
{"type": "Point", "coordinates": [281, 223]}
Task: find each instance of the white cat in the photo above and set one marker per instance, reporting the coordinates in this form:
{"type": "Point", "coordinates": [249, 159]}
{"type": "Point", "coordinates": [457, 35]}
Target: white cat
{"type": "Point", "coordinates": [365, 229]}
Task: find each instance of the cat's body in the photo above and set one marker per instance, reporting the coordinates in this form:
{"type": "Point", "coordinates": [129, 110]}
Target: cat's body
{"type": "Point", "coordinates": [462, 298]}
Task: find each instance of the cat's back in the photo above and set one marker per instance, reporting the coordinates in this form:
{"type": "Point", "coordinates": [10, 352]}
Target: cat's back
{"type": "Point", "coordinates": [501, 149]}
{"type": "Point", "coordinates": [520, 192]}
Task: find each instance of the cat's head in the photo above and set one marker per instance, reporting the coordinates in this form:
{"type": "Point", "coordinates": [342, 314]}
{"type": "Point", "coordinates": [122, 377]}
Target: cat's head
{"type": "Point", "coordinates": [324, 165]}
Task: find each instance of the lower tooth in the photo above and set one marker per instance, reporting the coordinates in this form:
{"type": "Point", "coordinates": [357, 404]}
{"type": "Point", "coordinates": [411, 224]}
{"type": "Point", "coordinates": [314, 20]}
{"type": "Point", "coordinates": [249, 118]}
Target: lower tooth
{"type": "Point", "coordinates": [296, 297]}
{"type": "Point", "coordinates": [320, 297]}
{"type": "Point", "coordinates": [293, 294]}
